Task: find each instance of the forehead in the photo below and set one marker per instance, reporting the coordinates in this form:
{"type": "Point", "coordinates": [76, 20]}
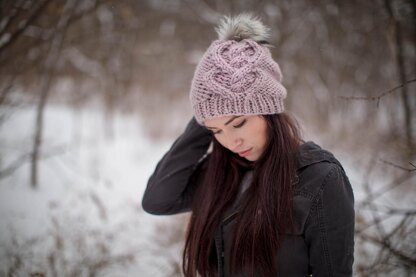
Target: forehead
{"type": "Point", "coordinates": [220, 121]}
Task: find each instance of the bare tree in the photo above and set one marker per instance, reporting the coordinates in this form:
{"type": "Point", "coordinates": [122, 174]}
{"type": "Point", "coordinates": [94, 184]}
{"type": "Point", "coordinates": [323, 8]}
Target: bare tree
{"type": "Point", "coordinates": [393, 247]}
{"type": "Point", "coordinates": [49, 66]}
{"type": "Point", "coordinates": [9, 37]}
{"type": "Point", "coordinates": [401, 70]}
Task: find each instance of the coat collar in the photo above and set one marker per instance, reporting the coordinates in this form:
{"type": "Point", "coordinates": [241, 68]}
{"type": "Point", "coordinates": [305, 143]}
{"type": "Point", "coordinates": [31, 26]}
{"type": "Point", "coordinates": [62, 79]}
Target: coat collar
{"type": "Point", "coordinates": [311, 153]}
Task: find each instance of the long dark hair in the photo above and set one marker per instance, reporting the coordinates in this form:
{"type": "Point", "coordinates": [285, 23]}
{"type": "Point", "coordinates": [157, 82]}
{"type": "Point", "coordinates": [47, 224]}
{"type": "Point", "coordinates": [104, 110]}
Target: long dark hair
{"type": "Point", "coordinates": [264, 214]}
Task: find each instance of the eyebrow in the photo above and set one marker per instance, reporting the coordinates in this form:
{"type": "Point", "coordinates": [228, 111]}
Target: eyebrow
{"type": "Point", "coordinates": [226, 123]}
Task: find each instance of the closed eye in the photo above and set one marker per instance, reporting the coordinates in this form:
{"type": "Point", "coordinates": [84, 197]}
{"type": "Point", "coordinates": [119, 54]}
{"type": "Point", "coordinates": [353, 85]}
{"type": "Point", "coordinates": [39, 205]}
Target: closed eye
{"type": "Point", "coordinates": [236, 126]}
{"type": "Point", "coordinates": [241, 124]}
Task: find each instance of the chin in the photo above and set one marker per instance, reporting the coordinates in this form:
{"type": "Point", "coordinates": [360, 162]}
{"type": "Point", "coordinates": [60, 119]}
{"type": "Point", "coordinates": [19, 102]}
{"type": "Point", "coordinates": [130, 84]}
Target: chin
{"type": "Point", "coordinates": [250, 159]}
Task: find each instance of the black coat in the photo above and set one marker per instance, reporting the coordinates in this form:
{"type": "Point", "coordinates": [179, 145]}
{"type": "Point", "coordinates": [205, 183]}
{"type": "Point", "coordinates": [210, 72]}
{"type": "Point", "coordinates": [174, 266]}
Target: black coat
{"type": "Point", "coordinates": [322, 243]}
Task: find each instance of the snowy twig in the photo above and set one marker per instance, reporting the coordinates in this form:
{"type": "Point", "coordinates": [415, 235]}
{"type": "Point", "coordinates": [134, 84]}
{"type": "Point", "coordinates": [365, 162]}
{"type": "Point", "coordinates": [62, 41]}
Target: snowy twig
{"type": "Point", "coordinates": [99, 204]}
{"type": "Point", "coordinates": [394, 184]}
{"type": "Point", "coordinates": [49, 34]}
{"type": "Point", "coordinates": [388, 213]}
{"type": "Point", "coordinates": [388, 241]}
{"type": "Point", "coordinates": [6, 90]}
{"type": "Point", "coordinates": [24, 158]}
{"type": "Point", "coordinates": [400, 167]}
{"type": "Point", "coordinates": [378, 97]}
{"type": "Point", "coordinates": [394, 211]}
{"type": "Point", "coordinates": [36, 12]}
{"type": "Point", "coordinates": [410, 261]}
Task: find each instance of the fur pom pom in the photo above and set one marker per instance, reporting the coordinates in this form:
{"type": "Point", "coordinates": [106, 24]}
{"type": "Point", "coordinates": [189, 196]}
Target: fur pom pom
{"type": "Point", "coordinates": [243, 26]}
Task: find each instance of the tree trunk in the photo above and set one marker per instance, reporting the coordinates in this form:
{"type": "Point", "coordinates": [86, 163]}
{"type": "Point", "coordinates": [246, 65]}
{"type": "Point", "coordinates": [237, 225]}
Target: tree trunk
{"type": "Point", "coordinates": [401, 69]}
{"type": "Point", "coordinates": [49, 65]}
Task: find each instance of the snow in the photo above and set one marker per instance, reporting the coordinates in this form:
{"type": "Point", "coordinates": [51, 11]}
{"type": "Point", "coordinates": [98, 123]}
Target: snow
{"type": "Point", "coordinates": [88, 197]}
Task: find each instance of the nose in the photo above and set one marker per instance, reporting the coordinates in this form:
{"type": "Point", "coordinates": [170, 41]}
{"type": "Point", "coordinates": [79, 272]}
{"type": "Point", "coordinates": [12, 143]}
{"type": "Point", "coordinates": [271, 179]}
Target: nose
{"type": "Point", "coordinates": [235, 143]}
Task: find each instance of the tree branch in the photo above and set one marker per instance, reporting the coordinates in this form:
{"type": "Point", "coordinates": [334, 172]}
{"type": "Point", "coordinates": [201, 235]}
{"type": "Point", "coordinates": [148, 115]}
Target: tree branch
{"type": "Point", "coordinates": [23, 26]}
{"type": "Point", "coordinates": [400, 167]}
{"type": "Point", "coordinates": [24, 158]}
{"type": "Point", "coordinates": [378, 97]}
{"type": "Point", "coordinates": [400, 255]}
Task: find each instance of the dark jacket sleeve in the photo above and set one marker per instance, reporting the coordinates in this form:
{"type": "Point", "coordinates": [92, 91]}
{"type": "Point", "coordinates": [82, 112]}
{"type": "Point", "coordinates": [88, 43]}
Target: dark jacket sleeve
{"type": "Point", "coordinates": [170, 187]}
{"type": "Point", "coordinates": [330, 229]}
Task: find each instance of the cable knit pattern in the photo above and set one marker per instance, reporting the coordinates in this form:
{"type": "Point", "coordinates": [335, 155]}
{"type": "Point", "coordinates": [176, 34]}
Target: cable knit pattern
{"type": "Point", "coordinates": [236, 78]}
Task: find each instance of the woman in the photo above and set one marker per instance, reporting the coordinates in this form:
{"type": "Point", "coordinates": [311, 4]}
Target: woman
{"type": "Point", "coordinates": [263, 202]}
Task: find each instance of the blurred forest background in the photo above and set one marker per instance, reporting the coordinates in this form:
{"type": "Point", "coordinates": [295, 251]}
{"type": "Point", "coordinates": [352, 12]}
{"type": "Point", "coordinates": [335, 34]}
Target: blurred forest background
{"type": "Point", "coordinates": [350, 71]}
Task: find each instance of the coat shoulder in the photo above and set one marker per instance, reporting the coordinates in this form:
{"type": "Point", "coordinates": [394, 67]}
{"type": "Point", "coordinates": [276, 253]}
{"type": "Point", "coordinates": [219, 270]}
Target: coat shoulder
{"type": "Point", "coordinates": [315, 167]}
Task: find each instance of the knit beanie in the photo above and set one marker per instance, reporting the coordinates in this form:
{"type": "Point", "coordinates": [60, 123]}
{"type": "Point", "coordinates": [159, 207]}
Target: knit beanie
{"type": "Point", "coordinates": [237, 74]}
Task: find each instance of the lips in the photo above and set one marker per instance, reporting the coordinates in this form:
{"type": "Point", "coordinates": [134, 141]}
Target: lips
{"type": "Point", "coordinates": [245, 153]}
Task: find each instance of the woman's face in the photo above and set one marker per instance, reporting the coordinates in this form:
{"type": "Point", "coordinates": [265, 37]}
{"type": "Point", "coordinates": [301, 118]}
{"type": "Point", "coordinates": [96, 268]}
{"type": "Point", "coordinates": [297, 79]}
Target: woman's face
{"type": "Point", "coordinates": [243, 135]}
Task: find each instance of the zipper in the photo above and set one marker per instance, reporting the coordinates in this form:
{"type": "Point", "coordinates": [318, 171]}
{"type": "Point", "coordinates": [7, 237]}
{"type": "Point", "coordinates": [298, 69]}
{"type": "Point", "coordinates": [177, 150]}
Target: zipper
{"type": "Point", "coordinates": [230, 217]}
{"type": "Point", "coordinates": [219, 242]}
{"type": "Point", "coordinates": [220, 252]}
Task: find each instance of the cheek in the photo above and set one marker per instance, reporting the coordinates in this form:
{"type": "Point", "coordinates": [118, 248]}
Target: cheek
{"type": "Point", "coordinates": [221, 141]}
{"type": "Point", "coordinates": [261, 138]}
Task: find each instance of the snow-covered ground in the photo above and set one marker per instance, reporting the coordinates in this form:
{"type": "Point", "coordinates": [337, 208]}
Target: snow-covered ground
{"type": "Point", "coordinates": [85, 216]}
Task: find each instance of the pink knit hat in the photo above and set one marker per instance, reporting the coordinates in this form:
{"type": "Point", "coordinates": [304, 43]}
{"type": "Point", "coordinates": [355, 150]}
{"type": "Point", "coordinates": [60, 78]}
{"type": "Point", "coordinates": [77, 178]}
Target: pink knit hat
{"type": "Point", "coordinates": [237, 74]}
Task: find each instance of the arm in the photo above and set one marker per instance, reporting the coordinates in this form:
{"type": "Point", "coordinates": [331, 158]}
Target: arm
{"type": "Point", "coordinates": [330, 229]}
{"type": "Point", "coordinates": [169, 189]}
